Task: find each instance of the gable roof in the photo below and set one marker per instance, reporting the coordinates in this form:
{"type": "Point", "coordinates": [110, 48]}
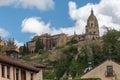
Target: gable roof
{"type": "Point", "coordinates": [17, 63]}
{"type": "Point", "coordinates": [98, 66]}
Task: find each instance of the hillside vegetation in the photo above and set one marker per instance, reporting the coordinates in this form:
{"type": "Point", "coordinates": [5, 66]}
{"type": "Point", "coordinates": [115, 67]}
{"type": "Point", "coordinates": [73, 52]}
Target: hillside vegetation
{"type": "Point", "coordinates": [73, 60]}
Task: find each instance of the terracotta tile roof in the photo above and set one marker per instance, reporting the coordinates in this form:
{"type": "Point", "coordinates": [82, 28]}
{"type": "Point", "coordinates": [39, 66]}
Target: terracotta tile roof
{"type": "Point", "coordinates": [38, 65]}
{"type": "Point", "coordinates": [19, 63]}
{"type": "Point", "coordinates": [12, 48]}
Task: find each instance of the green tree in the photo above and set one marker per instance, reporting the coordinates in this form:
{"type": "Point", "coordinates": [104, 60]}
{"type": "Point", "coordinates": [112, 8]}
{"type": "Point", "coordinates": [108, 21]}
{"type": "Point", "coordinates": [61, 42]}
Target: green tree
{"type": "Point", "coordinates": [83, 59]}
{"type": "Point", "coordinates": [97, 54]}
{"type": "Point", "coordinates": [112, 44]}
{"type": "Point", "coordinates": [23, 50]}
{"type": "Point", "coordinates": [74, 68]}
{"type": "Point", "coordinates": [10, 42]}
{"type": "Point", "coordinates": [70, 50]}
{"type": "Point", "coordinates": [38, 45]}
{"type": "Point", "coordinates": [62, 66]}
{"type": "Point", "coordinates": [1, 49]}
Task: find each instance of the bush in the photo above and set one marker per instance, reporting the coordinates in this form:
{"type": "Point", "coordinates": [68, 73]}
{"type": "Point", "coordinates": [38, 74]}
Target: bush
{"type": "Point", "coordinates": [26, 58]}
{"type": "Point", "coordinates": [88, 79]}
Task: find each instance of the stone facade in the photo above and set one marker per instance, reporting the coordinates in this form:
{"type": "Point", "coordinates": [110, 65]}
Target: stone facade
{"type": "Point", "coordinates": [15, 69]}
{"type": "Point", "coordinates": [49, 42]}
{"type": "Point", "coordinates": [31, 46]}
{"type": "Point", "coordinates": [108, 70]}
{"type": "Point", "coordinates": [92, 28]}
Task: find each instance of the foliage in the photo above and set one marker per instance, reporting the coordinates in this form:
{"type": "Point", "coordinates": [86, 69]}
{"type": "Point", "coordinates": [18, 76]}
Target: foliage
{"type": "Point", "coordinates": [26, 58]}
{"type": "Point", "coordinates": [72, 41]}
{"type": "Point", "coordinates": [111, 37]}
{"type": "Point", "coordinates": [97, 54]}
{"type": "Point", "coordinates": [71, 50]}
{"type": "Point", "coordinates": [61, 66]}
{"type": "Point", "coordinates": [10, 42]}
{"type": "Point", "coordinates": [24, 50]}
{"type": "Point", "coordinates": [88, 79]}
{"type": "Point", "coordinates": [38, 46]}
{"type": "Point", "coordinates": [93, 53]}
{"type": "Point", "coordinates": [74, 68]}
{"type": "Point", "coordinates": [48, 75]}
{"type": "Point", "coordinates": [111, 45]}
{"type": "Point", "coordinates": [1, 49]}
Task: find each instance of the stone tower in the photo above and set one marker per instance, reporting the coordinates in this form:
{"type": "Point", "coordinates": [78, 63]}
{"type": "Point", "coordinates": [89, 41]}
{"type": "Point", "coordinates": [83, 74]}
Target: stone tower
{"type": "Point", "coordinates": [92, 28]}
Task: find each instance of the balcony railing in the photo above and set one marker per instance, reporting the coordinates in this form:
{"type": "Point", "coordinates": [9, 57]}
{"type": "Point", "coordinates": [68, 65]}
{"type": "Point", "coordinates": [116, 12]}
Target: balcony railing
{"type": "Point", "coordinates": [109, 73]}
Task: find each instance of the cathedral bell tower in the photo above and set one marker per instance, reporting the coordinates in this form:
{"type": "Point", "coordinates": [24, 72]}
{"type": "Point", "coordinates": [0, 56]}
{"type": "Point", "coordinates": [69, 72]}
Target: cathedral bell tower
{"type": "Point", "coordinates": [92, 28]}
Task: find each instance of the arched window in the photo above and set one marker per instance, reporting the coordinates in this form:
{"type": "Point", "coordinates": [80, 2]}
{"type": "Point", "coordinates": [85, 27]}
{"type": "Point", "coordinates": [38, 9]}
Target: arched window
{"type": "Point", "coordinates": [91, 25]}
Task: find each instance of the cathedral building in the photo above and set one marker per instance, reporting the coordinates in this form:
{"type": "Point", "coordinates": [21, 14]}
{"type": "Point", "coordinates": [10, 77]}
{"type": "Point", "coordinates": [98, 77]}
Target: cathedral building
{"type": "Point", "coordinates": [53, 41]}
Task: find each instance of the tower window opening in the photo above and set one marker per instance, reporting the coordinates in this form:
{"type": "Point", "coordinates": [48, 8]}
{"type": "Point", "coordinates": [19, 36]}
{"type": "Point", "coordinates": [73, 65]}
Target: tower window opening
{"type": "Point", "coordinates": [91, 24]}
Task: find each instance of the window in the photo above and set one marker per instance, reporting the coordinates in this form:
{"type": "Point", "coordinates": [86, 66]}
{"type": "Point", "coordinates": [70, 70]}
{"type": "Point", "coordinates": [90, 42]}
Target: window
{"type": "Point", "coordinates": [8, 71]}
{"type": "Point", "coordinates": [23, 75]}
{"type": "Point", "coordinates": [3, 70]}
{"type": "Point", "coordinates": [31, 76]}
{"type": "Point", "coordinates": [17, 74]}
{"type": "Point", "coordinates": [109, 71]}
{"type": "Point", "coordinates": [91, 24]}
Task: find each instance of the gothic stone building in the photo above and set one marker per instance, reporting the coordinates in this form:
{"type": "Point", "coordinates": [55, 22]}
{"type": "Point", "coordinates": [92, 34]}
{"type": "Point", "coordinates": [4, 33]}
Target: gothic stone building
{"type": "Point", "coordinates": [92, 28]}
{"type": "Point", "coordinates": [51, 42]}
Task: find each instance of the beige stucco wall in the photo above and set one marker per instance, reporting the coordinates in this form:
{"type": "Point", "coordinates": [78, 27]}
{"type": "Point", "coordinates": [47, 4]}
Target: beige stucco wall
{"type": "Point", "coordinates": [36, 76]}
{"type": "Point", "coordinates": [100, 71]}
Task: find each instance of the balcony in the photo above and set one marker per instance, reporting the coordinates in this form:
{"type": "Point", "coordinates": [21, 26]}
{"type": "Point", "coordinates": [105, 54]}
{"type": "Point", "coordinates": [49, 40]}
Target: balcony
{"type": "Point", "coordinates": [109, 74]}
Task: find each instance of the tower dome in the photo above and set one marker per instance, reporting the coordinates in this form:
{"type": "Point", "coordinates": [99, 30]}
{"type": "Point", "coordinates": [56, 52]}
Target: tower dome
{"type": "Point", "coordinates": [92, 28]}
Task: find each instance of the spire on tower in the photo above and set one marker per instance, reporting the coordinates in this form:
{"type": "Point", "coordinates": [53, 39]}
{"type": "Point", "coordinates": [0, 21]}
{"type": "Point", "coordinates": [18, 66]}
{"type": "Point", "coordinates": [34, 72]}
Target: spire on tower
{"type": "Point", "coordinates": [92, 12]}
{"type": "Point", "coordinates": [74, 32]}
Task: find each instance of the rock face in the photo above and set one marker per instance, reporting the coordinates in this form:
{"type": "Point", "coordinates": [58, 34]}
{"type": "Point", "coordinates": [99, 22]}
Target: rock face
{"type": "Point", "coordinates": [55, 55]}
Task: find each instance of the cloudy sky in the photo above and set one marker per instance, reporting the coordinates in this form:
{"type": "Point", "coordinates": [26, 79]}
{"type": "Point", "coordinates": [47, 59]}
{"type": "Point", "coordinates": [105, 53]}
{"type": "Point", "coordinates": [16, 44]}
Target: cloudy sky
{"type": "Point", "coordinates": [22, 19]}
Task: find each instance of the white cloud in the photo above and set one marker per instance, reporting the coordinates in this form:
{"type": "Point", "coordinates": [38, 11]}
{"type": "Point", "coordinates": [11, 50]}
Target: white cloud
{"type": "Point", "coordinates": [107, 13]}
{"type": "Point", "coordinates": [39, 4]}
{"type": "Point", "coordinates": [3, 33]}
{"type": "Point", "coordinates": [18, 43]}
{"type": "Point", "coordinates": [35, 25]}
{"type": "Point", "coordinates": [6, 2]}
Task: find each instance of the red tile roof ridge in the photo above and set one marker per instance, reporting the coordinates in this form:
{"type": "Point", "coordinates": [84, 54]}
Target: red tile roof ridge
{"type": "Point", "coordinates": [17, 62]}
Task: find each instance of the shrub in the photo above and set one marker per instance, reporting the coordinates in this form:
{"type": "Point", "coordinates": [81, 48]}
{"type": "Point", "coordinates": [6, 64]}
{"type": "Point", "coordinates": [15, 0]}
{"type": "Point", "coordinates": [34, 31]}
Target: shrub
{"type": "Point", "coordinates": [88, 79]}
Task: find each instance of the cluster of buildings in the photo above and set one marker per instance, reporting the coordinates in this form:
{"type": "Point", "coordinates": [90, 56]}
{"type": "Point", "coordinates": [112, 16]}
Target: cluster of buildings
{"type": "Point", "coordinates": [52, 41]}
{"type": "Point", "coordinates": [49, 42]}
{"type": "Point", "coordinates": [13, 68]}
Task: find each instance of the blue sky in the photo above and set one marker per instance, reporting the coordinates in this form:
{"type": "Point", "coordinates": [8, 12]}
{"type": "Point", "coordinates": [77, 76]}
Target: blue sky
{"type": "Point", "coordinates": [22, 19]}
